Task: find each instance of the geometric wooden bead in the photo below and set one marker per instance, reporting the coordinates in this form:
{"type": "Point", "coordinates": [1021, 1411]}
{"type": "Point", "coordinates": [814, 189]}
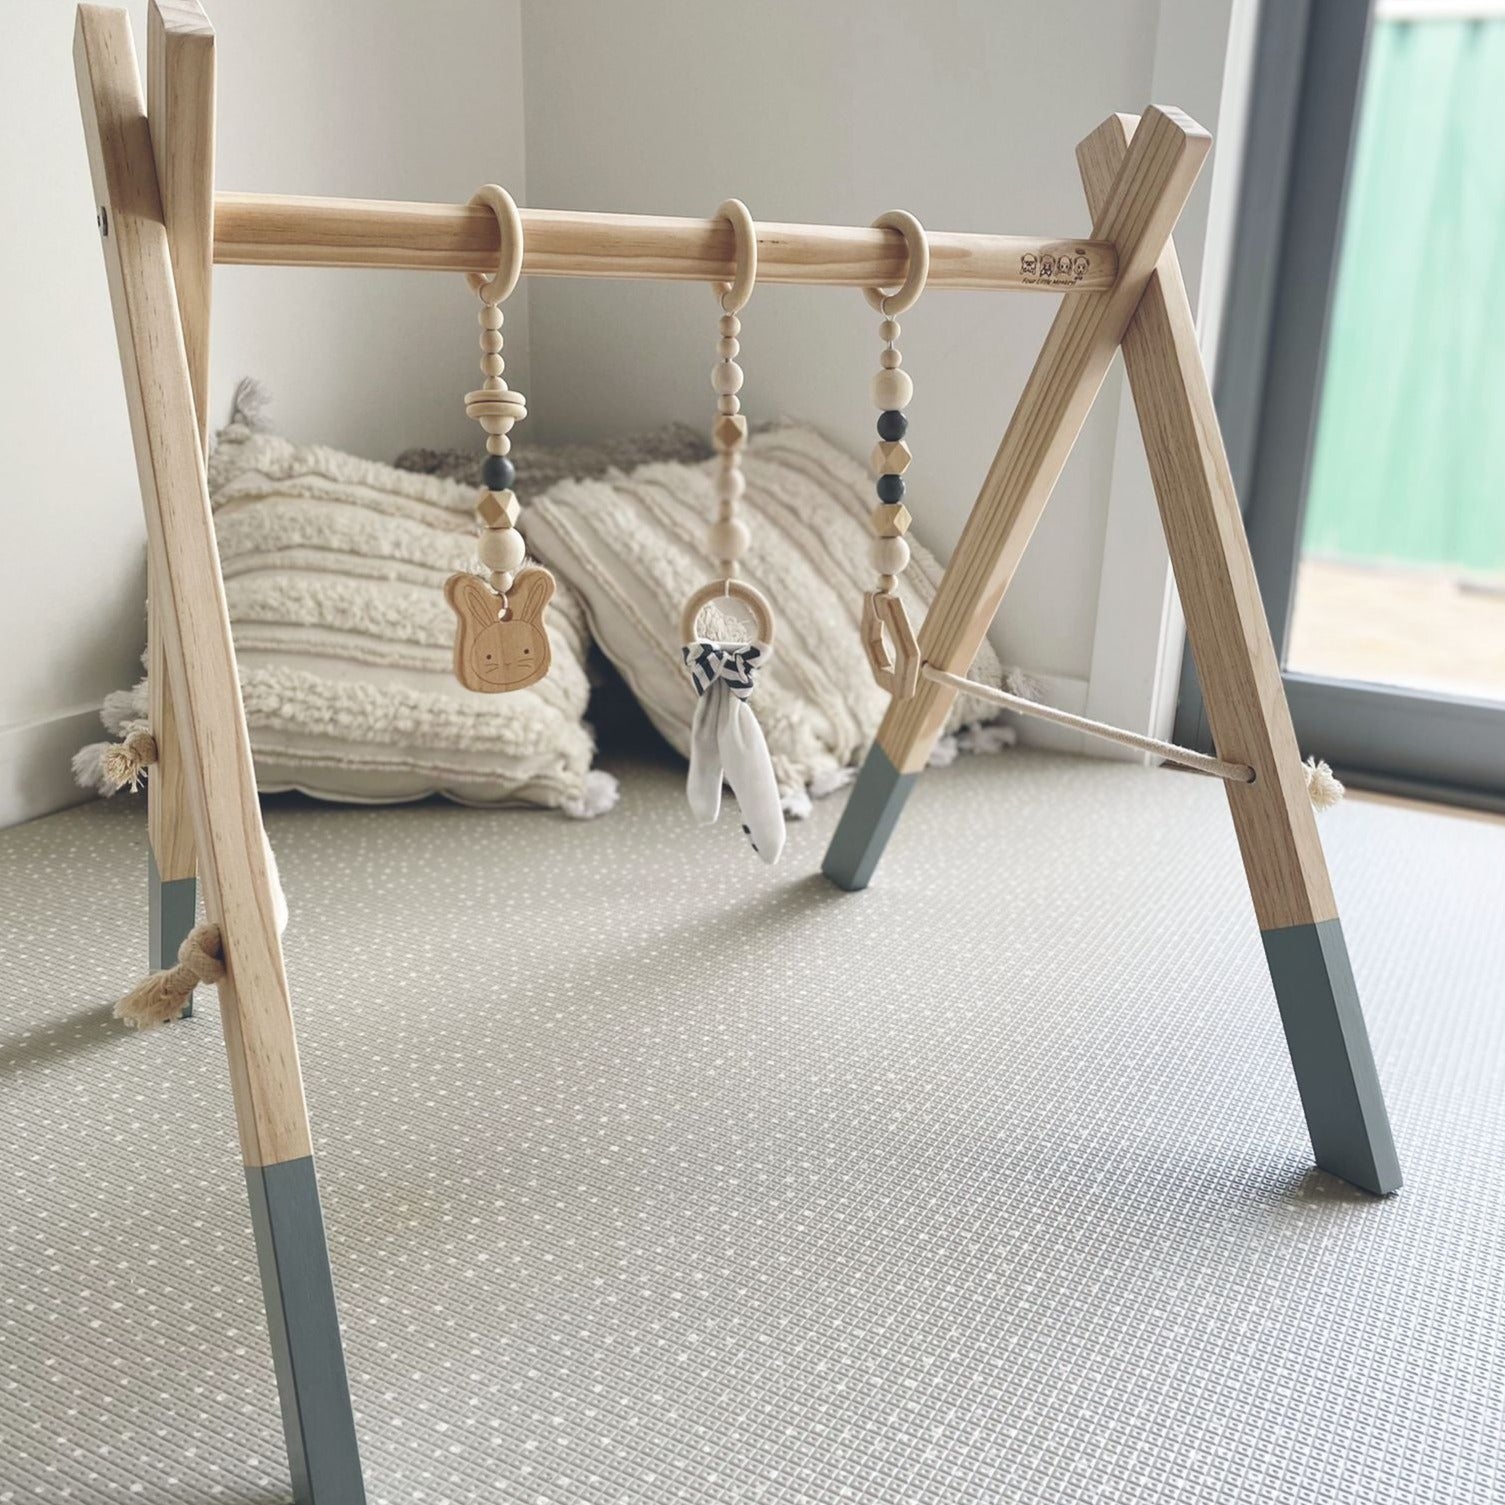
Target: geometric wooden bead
{"type": "Point", "coordinates": [891, 520]}
{"type": "Point", "coordinates": [729, 432]}
{"type": "Point", "coordinates": [891, 459]}
{"type": "Point", "coordinates": [497, 509]}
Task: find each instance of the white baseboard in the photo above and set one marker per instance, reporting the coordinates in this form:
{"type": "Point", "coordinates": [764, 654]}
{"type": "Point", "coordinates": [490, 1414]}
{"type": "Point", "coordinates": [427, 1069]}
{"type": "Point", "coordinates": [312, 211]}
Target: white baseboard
{"type": "Point", "coordinates": [36, 776]}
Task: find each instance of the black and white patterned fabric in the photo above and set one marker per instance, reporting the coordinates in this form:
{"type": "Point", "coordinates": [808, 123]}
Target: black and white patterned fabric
{"type": "Point", "coordinates": [734, 664]}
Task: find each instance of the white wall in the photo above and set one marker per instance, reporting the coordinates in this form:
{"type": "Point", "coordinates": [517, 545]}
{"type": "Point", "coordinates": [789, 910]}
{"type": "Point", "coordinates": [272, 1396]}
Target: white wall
{"type": "Point", "coordinates": [966, 112]}
{"type": "Point", "coordinates": [340, 97]}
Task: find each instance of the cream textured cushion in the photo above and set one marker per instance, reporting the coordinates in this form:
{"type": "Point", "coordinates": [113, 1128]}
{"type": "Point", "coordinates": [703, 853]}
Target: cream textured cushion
{"type": "Point", "coordinates": [633, 548]}
{"type": "Point", "coordinates": [333, 571]}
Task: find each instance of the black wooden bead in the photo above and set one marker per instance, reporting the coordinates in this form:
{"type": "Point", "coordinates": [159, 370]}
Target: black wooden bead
{"type": "Point", "coordinates": [890, 488]}
{"type": "Point", "coordinates": [892, 425]}
{"type": "Point", "coordinates": [498, 473]}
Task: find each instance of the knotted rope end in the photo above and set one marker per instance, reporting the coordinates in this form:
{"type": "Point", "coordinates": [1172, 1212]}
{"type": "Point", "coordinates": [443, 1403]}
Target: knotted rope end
{"type": "Point", "coordinates": [1323, 786]}
{"type": "Point", "coordinates": [163, 995]}
{"type": "Point", "coordinates": [122, 764]}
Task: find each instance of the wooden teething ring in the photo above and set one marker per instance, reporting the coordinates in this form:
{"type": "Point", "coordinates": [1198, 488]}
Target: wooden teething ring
{"type": "Point", "coordinates": [721, 590]}
{"type": "Point", "coordinates": [734, 294]}
{"type": "Point", "coordinates": [509, 224]}
{"type": "Point", "coordinates": [917, 243]}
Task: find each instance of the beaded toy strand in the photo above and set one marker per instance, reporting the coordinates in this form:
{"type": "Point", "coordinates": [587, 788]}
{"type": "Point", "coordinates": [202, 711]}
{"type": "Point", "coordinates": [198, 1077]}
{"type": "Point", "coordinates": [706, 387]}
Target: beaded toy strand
{"type": "Point", "coordinates": [501, 644]}
{"type": "Point", "coordinates": [888, 638]}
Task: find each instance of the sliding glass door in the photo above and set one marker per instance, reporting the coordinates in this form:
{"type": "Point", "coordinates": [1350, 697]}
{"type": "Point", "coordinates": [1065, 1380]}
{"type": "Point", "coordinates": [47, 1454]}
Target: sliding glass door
{"type": "Point", "coordinates": [1362, 384]}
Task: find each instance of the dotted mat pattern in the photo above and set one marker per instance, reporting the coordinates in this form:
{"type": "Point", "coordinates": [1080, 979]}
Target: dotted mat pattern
{"type": "Point", "coordinates": [654, 1175]}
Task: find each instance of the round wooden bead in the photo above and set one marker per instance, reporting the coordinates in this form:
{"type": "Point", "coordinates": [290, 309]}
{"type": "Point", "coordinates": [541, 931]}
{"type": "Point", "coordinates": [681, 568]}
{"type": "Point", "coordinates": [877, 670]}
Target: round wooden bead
{"type": "Point", "coordinates": [729, 538]}
{"type": "Point", "coordinates": [496, 425]}
{"type": "Point", "coordinates": [726, 378]}
{"type": "Point", "coordinates": [493, 365]}
{"type": "Point", "coordinates": [890, 360]}
{"type": "Point", "coordinates": [502, 548]}
{"type": "Point", "coordinates": [892, 389]}
{"type": "Point", "coordinates": [498, 444]}
{"type": "Point", "coordinates": [892, 426]}
{"type": "Point", "coordinates": [501, 581]}
{"type": "Point", "coordinates": [889, 330]}
{"type": "Point", "coordinates": [731, 326]}
{"type": "Point", "coordinates": [888, 555]}
{"type": "Point", "coordinates": [491, 339]}
{"type": "Point", "coordinates": [727, 348]}
{"type": "Point", "coordinates": [730, 483]}
{"type": "Point", "coordinates": [728, 404]}
{"type": "Point", "coordinates": [490, 316]}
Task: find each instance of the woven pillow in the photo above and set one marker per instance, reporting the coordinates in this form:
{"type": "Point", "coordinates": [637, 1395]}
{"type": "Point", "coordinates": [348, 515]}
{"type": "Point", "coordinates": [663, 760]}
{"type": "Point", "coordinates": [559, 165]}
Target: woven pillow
{"type": "Point", "coordinates": [632, 547]}
{"type": "Point", "coordinates": [541, 466]}
{"type": "Point", "coordinates": [333, 571]}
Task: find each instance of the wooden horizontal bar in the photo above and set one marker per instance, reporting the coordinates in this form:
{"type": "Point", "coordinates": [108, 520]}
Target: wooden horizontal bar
{"type": "Point", "coordinates": [267, 230]}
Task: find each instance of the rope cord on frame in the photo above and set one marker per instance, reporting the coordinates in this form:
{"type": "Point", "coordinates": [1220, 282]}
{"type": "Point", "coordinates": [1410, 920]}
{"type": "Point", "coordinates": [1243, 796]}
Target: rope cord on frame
{"type": "Point", "coordinates": [1236, 773]}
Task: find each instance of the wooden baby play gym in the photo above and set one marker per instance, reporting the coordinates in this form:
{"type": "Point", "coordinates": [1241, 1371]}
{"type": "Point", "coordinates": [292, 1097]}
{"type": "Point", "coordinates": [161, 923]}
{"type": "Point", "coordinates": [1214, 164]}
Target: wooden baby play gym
{"type": "Point", "coordinates": [163, 226]}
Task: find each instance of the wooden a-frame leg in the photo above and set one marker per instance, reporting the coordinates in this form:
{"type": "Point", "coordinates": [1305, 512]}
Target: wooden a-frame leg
{"type": "Point", "coordinates": [180, 109]}
{"type": "Point", "coordinates": [257, 1014]}
{"type": "Point", "coordinates": [1247, 710]}
{"type": "Point", "coordinates": [1137, 217]}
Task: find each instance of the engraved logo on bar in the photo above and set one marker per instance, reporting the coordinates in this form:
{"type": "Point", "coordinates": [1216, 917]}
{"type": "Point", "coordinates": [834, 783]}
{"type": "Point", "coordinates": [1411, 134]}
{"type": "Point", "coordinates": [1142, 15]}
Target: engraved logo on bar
{"type": "Point", "coordinates": [1053, 268]}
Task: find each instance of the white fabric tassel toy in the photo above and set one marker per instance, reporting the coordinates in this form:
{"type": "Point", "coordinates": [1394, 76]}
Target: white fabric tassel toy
{"type": "Point", "coordinates": [726, 742]}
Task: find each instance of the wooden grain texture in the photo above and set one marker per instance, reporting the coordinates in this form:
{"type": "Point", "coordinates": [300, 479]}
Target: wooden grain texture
{"type": "Point", "coordinates": [256, 1010]}
{"type": "Point", "coordinates": [180, 110]}
{"type": "Point", "coordinates": [1225, 618]}
{"type": "Point", "coordinates": [268, 230]}
{"type": "Point", "coordinates": [1137, 217]}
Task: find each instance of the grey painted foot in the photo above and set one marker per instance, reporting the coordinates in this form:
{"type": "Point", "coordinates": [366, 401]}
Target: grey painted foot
{"type": "Point", "coordinates": [172, 906]}
{"type": "Point", "coordinates": [871, 814]}
{"type": "Point", "coordinates": [305, 1330]}
{"type": "Point", "coordinates": [1329, 1045]}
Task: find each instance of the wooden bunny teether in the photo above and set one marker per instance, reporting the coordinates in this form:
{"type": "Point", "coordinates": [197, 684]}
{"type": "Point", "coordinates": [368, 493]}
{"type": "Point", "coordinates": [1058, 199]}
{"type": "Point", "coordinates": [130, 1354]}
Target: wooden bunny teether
{"type": "Point", "coordinates": [501, 643]}
{"type": "Point", "coordinates": [498, 650]}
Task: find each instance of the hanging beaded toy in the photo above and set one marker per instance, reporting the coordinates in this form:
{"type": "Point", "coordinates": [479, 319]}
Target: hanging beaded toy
{"type": "Point", "coordinates": [501, 643]}
{"type": "Point", "coordinates": [887, 637]}
{"type": "Point", "coordinates": [726, 743]}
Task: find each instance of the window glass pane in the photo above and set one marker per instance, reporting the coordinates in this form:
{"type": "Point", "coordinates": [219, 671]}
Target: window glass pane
{"type": "Point", "coordinates": [1402, 572]}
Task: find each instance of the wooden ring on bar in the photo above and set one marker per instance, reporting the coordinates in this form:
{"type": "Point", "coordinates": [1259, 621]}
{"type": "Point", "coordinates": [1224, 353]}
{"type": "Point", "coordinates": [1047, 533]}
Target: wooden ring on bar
{"type": "Point", "coordinates": [734, 295]}
{"type": "Point", "coordinates": [720, 590]}
{"type": "Point", "coordinates": [509, 224]}
{"type": "Point", "coordinates": [917, 243]}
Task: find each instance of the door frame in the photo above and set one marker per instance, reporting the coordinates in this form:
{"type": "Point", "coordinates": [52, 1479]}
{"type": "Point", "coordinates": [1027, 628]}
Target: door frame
{"type": "Point", "coordinates": [1304, 113]}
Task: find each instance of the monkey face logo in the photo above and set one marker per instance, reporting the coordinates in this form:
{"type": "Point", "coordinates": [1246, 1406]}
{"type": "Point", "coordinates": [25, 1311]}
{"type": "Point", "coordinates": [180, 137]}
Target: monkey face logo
{"type": "Point", "coordinates": [1028, 264]}
{"type": "Point", "coordinates": [1047, 265]}
{"type": "Point", "coordinates": [1078, 267]}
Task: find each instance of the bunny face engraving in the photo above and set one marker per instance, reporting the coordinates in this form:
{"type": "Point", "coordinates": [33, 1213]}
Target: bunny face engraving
{"type": "Point", "coordinates": [496, 653]}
